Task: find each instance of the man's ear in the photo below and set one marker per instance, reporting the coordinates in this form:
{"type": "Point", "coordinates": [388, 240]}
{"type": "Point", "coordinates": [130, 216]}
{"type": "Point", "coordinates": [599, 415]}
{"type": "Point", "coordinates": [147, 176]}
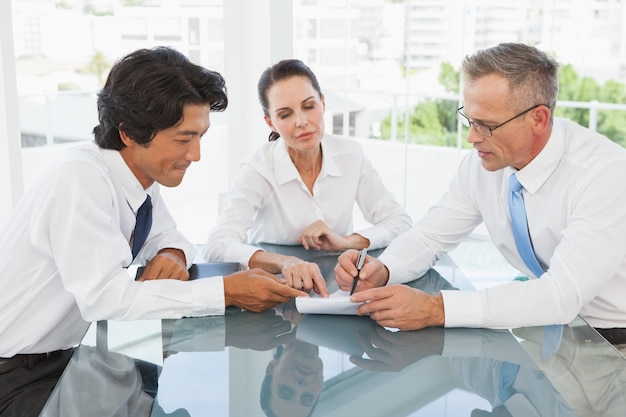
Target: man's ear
{"type": "Point", "coordinates": [541, 119]}
{"type": "Point", "coordinates": [128, 141]}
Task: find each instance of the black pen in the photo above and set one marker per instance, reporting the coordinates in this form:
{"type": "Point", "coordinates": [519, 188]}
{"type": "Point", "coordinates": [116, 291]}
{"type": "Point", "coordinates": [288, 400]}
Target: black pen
{"type": "Point", "coordinates": [359, 264]}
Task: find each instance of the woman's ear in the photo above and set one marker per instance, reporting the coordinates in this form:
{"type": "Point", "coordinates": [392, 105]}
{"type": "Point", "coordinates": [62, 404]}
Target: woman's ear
{"type": "Point", "coordinates": [269, 123]}
{"type": "Point", "coordinates": [271, 365]}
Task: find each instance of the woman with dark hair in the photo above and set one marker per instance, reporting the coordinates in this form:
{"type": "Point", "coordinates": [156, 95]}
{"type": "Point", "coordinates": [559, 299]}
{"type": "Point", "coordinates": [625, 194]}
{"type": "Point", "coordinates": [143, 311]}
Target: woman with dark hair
{"type": "Point", "coordinates": [301, 187]}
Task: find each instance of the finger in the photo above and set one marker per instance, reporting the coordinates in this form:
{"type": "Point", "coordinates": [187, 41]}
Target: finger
{"type": "Point", "coordinates": [377, 339]}
{"type": "Point", "coordinates": [316, 241]}
{"type": "Point", "coordinates": [288, 293]}
{"type": "Point", "coordinates": [289, 279]}
{"type": "Point", "coordinates": [347, 261]}
{"type": "Point", "coordinates": [371, 349]}
{"type": "Point", "coordinates": [393, 323]}
{"type": "Point", "coordinates": [174, 271]}
{"type": "Point", "coordinates": [371, 295]}
{"type": "Point", "coordinates": [282, 339]}
{"type": "Point", "coordinates": [320, 286]}
{"type": "Point", "coordinates": [345, 270]}
{"type": "Point", "coordinates": [368, 364]}
{"type": "Point", "coordinates": [307, 283]}
{"type": "Point", "coordinates": [292, 277]}
{"type": "Point", "coordinates": [151, 272]}
{"type": "Point", "coordinates": [295, 278]}
{"type": "Point", "coordinates": [276, 279]}
{"type": "Point", "coordinates": [281, 328]}
{"type": "Point", "coordinates": [304, 242]}
{"type": "Point", "coordinates": [383, 338]}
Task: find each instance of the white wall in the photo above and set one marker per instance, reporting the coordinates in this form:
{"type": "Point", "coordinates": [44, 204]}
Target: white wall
{"type": "Point", "coordinates": [10, 142]}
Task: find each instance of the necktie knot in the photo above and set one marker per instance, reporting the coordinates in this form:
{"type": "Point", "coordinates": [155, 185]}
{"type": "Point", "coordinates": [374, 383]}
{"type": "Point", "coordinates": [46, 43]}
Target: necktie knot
{"type": "Point", "coordinates": [514, 184]}
{"type": "Point", "coordinates": [146, 206]}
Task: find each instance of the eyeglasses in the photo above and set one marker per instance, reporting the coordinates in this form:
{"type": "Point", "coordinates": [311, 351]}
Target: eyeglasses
{"type": "Point", "coordinates": [485, 130]}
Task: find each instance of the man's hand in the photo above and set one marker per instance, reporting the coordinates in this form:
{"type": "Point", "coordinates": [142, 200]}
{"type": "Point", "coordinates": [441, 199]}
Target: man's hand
{"type": "Point", "coordinates": [257, 331]}
{"type": "Point", "coordinates": [169, 263]}
{"type": "Point", "coordinates": [373, 274]}
{"type": "Point", "coordinates": [394, 351]}
{"type": "Point", "coordinates": [256, 290]}
{"type": "Point", "coordinates": [303, 275]}
{"type": "Point", "coordinates": [401, 307]}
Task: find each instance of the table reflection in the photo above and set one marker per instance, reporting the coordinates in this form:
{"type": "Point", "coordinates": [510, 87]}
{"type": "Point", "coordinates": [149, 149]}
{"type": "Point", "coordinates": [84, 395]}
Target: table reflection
{"type": "Point", "coordinates": [283, 363]}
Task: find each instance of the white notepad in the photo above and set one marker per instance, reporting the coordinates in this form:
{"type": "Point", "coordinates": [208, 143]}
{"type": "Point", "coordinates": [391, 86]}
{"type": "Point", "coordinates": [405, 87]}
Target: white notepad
{"type": "Point", "coordinates": [337, 303]}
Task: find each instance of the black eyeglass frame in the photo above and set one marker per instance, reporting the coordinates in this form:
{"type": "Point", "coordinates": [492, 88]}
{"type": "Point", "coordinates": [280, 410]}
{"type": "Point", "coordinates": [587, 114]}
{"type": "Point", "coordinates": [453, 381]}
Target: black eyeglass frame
{"type": "Point", "coordinates": [480, 129]}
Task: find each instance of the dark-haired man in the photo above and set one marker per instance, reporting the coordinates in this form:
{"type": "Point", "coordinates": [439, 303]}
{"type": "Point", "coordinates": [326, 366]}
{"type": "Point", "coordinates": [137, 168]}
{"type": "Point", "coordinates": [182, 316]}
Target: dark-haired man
{"type": "Point", "coordinates": [67, 244]}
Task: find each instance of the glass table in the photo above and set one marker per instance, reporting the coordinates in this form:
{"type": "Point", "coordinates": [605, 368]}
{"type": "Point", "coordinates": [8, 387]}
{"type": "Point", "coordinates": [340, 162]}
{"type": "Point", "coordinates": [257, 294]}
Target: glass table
{"type": "Point", "coordinates": [282, 363]}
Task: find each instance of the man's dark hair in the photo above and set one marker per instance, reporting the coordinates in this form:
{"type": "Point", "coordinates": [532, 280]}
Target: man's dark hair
{"type": "Point", "coordinates": [146, 92]}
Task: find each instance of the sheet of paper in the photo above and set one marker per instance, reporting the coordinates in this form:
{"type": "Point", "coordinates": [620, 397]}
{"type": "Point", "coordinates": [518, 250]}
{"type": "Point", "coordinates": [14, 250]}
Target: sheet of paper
{"type": "Point", "coordinates": [337, 303]}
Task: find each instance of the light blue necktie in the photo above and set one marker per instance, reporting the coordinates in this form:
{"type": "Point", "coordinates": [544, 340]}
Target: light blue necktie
{"type": "Point", "coordinates": [508, 373]}
{"type": "Point", "coordinates": [520, 226]}
{"type": "Point", "coordinates": [553, 333]}
{"type": "Point", "coordinates": [142, 225]}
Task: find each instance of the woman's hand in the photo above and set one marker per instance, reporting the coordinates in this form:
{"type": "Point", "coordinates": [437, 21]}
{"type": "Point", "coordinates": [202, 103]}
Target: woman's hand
{"type": "Point", "coordinates": [303, 275]}
{"type": "Point", "coordinates": [319, 236]}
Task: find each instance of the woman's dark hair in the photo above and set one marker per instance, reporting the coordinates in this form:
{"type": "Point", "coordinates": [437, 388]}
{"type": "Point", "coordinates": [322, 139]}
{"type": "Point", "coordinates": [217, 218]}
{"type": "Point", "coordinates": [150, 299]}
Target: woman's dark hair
{"type": "Point", "coordinates": [281, 71]}
{"type": "Point", "coordinates": [146, 92]}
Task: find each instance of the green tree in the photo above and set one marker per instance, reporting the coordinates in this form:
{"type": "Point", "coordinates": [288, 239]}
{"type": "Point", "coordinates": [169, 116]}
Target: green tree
{"type": "Point", "coordinates": [611, 123]}
{"type": "Point", "coordinates": [434, 122]}
{"type": "Point", "coordinates": [449, 78]}
{"type": "Point", "coordinates": [98, 65]}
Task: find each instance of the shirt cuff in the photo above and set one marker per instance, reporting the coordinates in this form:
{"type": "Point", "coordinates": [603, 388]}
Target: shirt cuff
{"type": "Point", "coordinates": [376, 235]}
{"type": "Point", "coordinates": [396, 267]}
{"type": "Point", "coordinates": [240, 252]}
{"type": "Point", "coordinates": [462, 308]}
{"type": "Point", "coordinates": [208, 296]}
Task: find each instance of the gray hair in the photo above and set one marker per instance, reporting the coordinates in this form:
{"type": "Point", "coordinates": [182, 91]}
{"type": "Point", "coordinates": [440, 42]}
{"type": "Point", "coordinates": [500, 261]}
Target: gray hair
{"type": "Point", "coordinates": [531, 73]}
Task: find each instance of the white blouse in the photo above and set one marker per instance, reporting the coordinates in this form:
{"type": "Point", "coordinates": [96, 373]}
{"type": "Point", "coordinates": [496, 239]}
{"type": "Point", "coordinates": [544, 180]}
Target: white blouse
{"type": "Point", "coordinates": [269, 203]}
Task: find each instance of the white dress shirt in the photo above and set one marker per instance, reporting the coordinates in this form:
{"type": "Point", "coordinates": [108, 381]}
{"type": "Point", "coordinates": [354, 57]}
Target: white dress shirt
{"type": "Point", "coordinates": [65, 249]}
{"type": "Point", "coordinates": [574, 193]}
{"type": "Point", "coordinates": [268, 201]}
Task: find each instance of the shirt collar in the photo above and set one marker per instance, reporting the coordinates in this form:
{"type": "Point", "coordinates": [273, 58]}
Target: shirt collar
{"type": "Point", "coordinates": [537, 172]}
{"type": "Point", "coordinates": [130, 185]}
{"type": "Point", "coordinates": [285, 170]}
